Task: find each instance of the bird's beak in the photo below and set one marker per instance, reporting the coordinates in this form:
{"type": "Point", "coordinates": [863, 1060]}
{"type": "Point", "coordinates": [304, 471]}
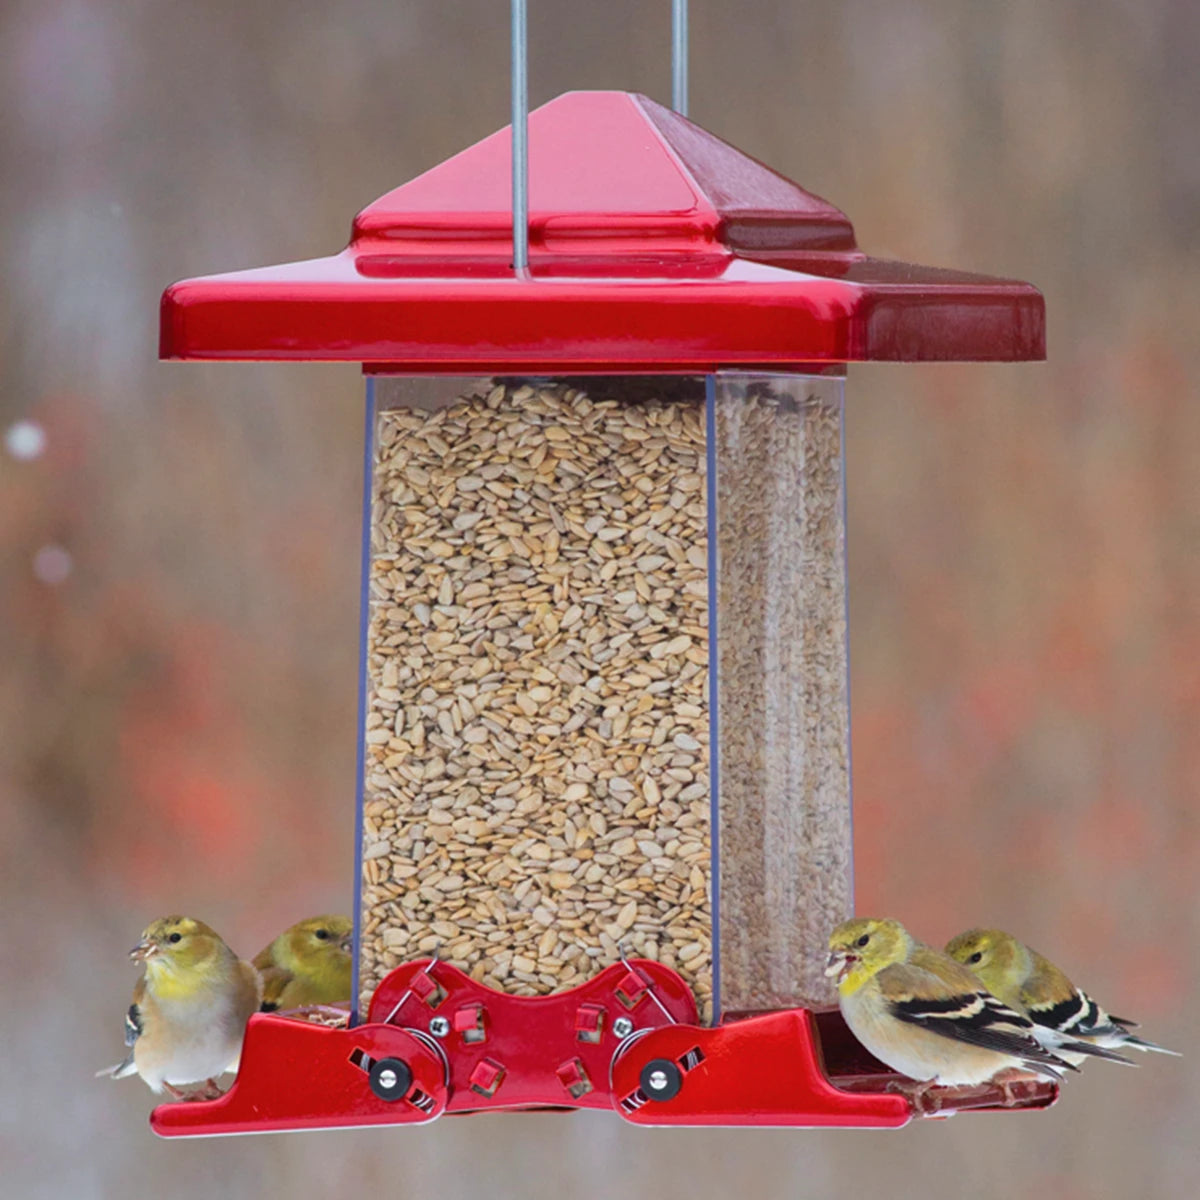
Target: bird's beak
{"type": "Point", "coordinates": [143, 950]}
{"type": "Point", "coordinates": [838, 964]}
{"type": "Point", "coordinates": [347, 943]}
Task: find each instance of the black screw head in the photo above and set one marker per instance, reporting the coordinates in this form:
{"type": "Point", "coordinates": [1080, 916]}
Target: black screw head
{"type": "Point", "coordinates": [661, 1079]}
{"type": "Point", "coordinates": [391, 1078]}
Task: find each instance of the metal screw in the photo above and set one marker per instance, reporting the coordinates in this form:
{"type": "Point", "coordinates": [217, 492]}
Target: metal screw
{"type": "Point", "coordinates": [658, 1080]}
{"type": "Point", "coordinates": [388, 1078]}
{"type": "Point", "coordinates": [439, 1026]}
{"type": "Point", "coordinates": [622, 1027]}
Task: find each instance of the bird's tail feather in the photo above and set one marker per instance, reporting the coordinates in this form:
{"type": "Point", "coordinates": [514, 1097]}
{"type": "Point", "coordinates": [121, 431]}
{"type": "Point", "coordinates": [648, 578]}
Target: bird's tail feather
{"type": "Point", "coordinates": [1096, 1052]}
{"type": "Point", "coordinates": [1124, 1022]}
{"type": "Point", "coordinates": [1142, 1044]}
{"type": "Point", "coordinates": [1045, 1070]}
{"type": "Point", "coordinates": [118, 1070]}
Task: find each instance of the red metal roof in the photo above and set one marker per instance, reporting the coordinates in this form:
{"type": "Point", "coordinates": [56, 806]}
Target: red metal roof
{"type": "Point", "coordinates": [653, 245]}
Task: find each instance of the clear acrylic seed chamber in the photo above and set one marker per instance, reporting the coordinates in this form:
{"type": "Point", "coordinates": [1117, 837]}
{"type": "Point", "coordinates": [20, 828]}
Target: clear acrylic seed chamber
{"type": "Point", "coordinates": [606, 634]}
{"type": "Point", "coordinates": [604, 692]}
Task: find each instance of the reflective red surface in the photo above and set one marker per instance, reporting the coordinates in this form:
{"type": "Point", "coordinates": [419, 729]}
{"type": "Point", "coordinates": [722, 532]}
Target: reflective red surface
{"type": "Point", "coordinates": [540, 1046]}
{"type": "Point", "coordinates": [296, 1075]}
{"type": "Point", "coordinates": [763, 1070]}
{"type": "Point", "coordinates": [653, 246]}
{"type": "Point", "coordinates": [459, 1047]}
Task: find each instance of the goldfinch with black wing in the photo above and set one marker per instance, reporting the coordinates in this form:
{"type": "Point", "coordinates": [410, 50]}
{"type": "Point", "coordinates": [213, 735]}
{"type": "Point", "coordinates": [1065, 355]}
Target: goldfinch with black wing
{"type": "Point", "coordinates": [189, 1011]}
{"type": "Point", "coordinates": [925, 1015]}
{"type": "Point", "coordinates": [308, 964]}
{"type": "Point", "coordinates": [1063, 1015]}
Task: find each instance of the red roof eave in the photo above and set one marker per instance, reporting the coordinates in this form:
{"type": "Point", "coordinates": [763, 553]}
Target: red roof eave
{"type": "Point", "coordinates": [745, 313]}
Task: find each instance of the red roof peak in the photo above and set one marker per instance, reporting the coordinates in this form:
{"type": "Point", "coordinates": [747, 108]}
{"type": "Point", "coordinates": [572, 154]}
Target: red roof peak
{"type": "Point", "coordinates": [760, 209]}
{"type": "Point", "coordinates": [609, 173]}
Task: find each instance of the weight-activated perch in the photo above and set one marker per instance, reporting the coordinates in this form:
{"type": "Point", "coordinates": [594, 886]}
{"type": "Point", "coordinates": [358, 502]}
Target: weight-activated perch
{"type": "Point", "coordinates": [189, 1011]}
{"type": "Point", "coordinates": [1034, 986]}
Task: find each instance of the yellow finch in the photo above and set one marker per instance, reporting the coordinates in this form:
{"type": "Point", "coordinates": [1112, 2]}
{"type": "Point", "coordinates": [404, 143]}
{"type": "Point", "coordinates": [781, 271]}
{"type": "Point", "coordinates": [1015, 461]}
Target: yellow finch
{"type": "Point", "coordinates": [308, 964]}
{"type": "Point", "coordinates": [189, 1008]}
{"type": "Point", "coordinates": [925, 1015]}
{"type": "Point", "coordinates": [1062, 1014]}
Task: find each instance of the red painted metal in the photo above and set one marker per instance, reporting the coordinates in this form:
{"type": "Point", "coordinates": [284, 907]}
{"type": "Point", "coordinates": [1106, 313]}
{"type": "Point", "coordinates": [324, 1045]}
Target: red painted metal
{"type": "Point", "coordinates": [297, 1075]}
{"type": "Point", "coordinates": [763, 1070]}
{"type": "Point", "coordinates": [793, 1068]}
{"type": "Point", "coordinates": [850, 1067]}
{"type": "Point", "coordinates": [654, 246]}
{"type": "Point", "coordinates": [534, 1050]}
{"type": "Point", "coordinates": [470, 1048]}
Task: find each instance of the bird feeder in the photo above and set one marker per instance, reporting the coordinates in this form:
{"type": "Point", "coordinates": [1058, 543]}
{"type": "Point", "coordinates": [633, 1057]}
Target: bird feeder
{"type": "Point", "coordinates": [604, 787]}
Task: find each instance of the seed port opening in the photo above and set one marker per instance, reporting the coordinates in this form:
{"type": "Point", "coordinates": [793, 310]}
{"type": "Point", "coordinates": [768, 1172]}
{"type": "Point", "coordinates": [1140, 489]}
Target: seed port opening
{"type": "Point", "coordinates": [471, 1023]}
{"type": "Point", "coordinates": [631, 990]}
{"type": "Point", "coordinates": [589, 1023]}
{"type": "Point", "coordinates": [574, 1078]}
{"type": "Point", "coordinates": [487, 1077]}
{"type": "Point", "coordinates": [428, 990]}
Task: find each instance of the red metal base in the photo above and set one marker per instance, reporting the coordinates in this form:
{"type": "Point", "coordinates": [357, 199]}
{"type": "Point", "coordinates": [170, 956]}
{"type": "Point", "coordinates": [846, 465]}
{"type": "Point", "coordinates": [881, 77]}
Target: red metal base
{"type": "Point", "coordinates": [296, 1075]}
{"type": "Point", "coordinates": [435, 1041]}
{"type": "Point", "coordinates": [850, 1068]}
{"type": "Point", "coordinates": [531, 1051]}
{"type": "Point", "coordinates": [761, 1071]}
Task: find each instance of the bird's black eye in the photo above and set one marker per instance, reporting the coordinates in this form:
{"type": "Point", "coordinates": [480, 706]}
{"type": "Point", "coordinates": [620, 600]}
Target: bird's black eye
{"type": "Point", "coordinates": [175, 937]}
{"type": "Point", "coordinates": [323, 935]}
{"type": "Point", "coordinates": [976, 957]}
{"type": "Point", "coordinates": [862, 941]}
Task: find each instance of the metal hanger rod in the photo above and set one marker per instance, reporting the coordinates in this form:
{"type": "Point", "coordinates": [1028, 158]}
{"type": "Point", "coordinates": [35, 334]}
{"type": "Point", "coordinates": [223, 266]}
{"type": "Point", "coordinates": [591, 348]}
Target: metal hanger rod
{"type": "Point", "coordinates": [679, 56]}
{"type": "Point", "coordinates": [520, 112]}
{"type": "Point", "coordinates": [520, 138]}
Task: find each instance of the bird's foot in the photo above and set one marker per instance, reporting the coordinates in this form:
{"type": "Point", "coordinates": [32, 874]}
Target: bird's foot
{"type": "Point", "coordinates": [925, 1097]}
{"type": "Point", "coordinates": [208, 1090]}
{"type": "Point", "coordinates": [1015, 1086]}
{"type": "Point", "coordinates": [930, 1099]}
{"type": "Point", "coordinates": [334, 1015]}
{"type": "Point", "coordinates": [1009, 1089]}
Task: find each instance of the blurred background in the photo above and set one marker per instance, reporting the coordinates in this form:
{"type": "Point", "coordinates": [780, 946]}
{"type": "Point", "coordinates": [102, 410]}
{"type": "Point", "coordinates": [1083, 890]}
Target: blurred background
{"type": "Point", "coordinates": [179, 543]}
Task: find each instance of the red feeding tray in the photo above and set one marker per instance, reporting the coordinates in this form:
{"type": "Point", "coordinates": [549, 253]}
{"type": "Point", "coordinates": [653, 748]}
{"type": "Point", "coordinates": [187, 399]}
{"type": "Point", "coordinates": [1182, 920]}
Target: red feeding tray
{"type": "Point", "coordinates": [625, 1041]}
